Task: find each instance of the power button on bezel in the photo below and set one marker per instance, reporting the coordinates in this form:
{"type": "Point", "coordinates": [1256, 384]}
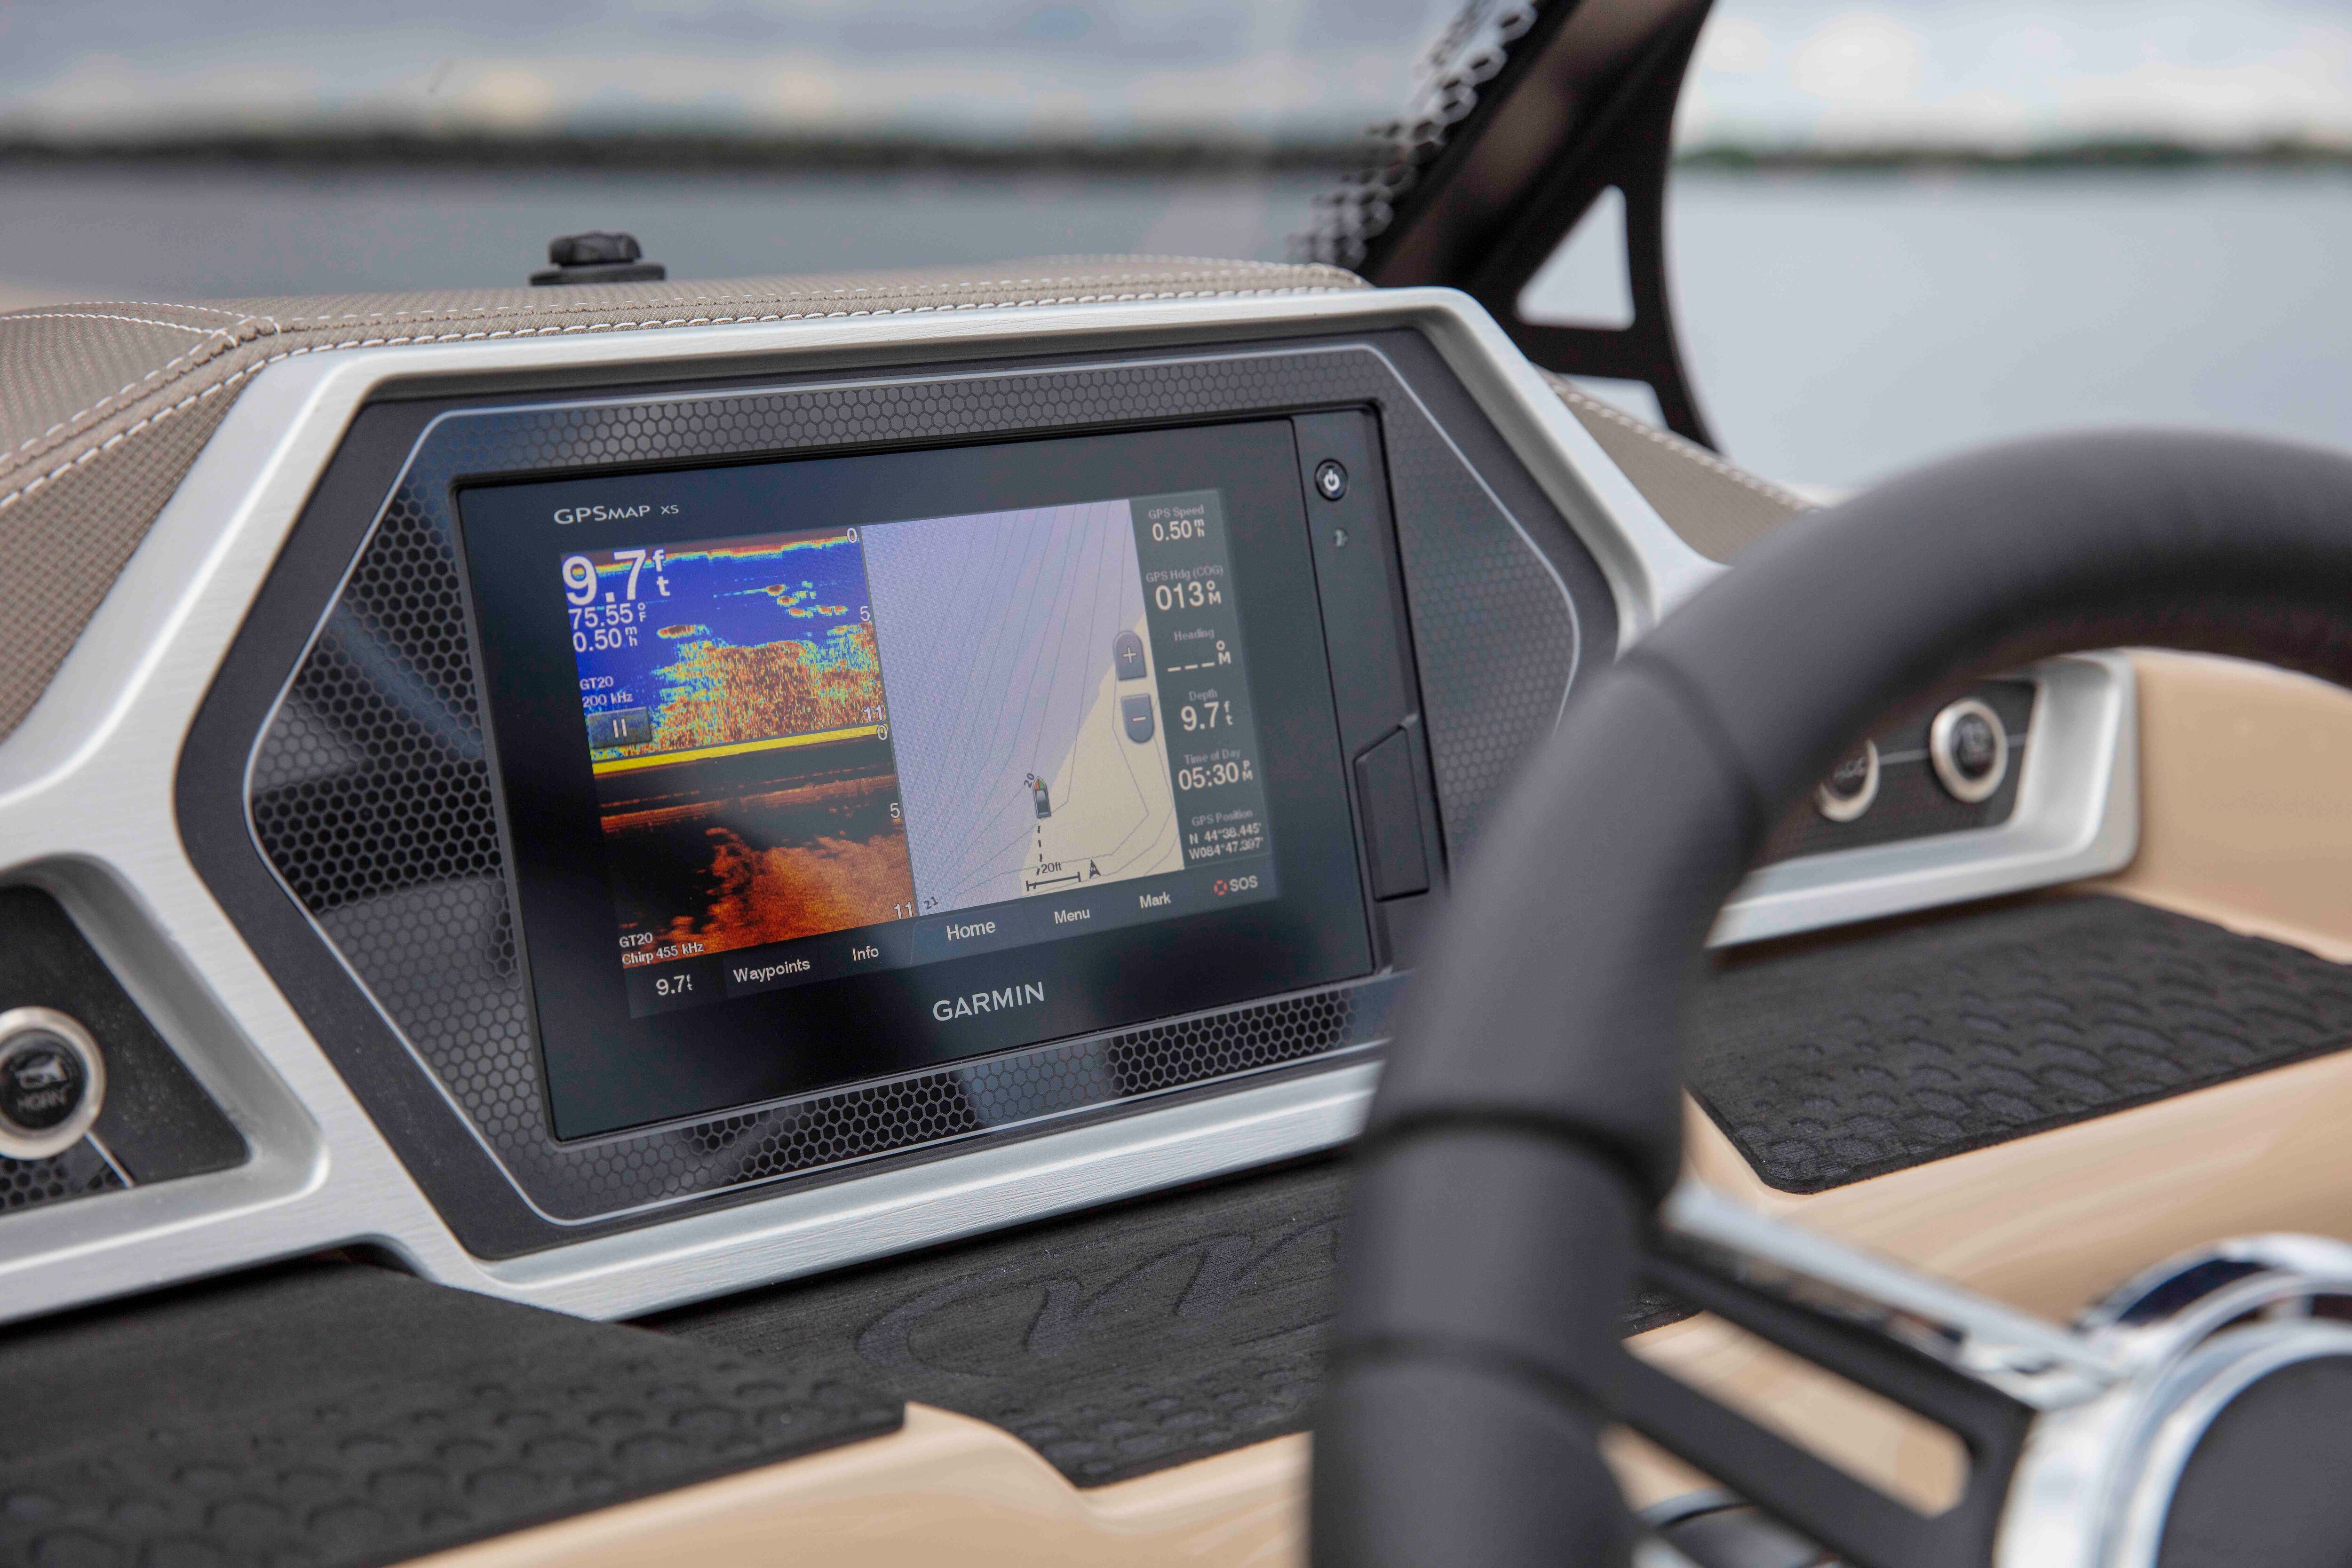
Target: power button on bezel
{"type": "Point", "coordinates": [26, 1030]}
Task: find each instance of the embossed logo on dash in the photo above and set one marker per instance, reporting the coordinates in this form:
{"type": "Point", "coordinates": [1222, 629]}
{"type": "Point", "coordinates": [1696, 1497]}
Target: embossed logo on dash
{"type": "Point", "coordinates": [1027, 994]}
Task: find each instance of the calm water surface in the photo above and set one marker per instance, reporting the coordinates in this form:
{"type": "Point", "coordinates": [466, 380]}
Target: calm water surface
{"type": "Point", "coordinates": [1841, 326]}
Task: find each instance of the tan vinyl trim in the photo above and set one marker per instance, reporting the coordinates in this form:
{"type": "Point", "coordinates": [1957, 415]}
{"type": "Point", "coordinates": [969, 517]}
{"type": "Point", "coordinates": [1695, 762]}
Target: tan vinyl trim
{"type": "Point", "coordinates": [945, 1489]}
{"type": "Point", "coordinates": [1719, 510]}
{"type": "Point", "coordinates": [2246, 790]}
{"type": "Point", "coordinates": [2245, 820]}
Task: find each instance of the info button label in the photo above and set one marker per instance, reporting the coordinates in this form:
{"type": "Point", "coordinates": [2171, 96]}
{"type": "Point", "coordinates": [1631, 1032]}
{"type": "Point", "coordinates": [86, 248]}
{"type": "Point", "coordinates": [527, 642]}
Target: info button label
{"type": "Point", "coordinates": [880, 947]}
{"type": "Point", "coordinates": [972, 931]}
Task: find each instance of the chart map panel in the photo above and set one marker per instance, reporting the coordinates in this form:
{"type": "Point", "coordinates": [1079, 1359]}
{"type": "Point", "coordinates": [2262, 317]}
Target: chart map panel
{"type": "Point", "coordinates": [1015, 649]}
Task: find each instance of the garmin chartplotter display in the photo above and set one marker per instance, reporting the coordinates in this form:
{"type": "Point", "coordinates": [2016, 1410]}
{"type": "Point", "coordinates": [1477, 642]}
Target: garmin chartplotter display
{"type": "Point", "coordinates": [804, 741]}
{"type": "Point", "coordinates": [820, 771]}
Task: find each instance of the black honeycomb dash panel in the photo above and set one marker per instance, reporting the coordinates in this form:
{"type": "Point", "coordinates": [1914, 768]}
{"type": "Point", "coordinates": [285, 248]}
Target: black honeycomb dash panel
{"type": "Point", "coordinates": [370, 791]}
{"type": "Point", "coordinates": [1829, 1059]}
{"type": "Point", "coordinates": [77, 1173]}
{"type": "Point", "coordinates": [1022, 1086]}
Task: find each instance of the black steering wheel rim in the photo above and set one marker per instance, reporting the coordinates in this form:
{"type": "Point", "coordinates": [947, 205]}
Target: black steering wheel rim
{"type": "Point", "coordinates": [1528, 1122]}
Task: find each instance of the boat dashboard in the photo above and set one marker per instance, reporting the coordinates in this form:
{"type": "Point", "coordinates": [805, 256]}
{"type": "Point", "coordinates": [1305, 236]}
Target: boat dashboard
{"type": "Point", "coordinates": [628, 812]}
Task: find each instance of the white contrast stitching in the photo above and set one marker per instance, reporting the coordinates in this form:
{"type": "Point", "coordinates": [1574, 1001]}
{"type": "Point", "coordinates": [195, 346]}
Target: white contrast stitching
{"type": "Point", "coordinates": [173, 305]}
{"type": "Point", "coordinates": [232, 335]}
{"type": "Point", "coordinates": [1689, 451]}
{"type": "Point", "coordinates": [98, 316]}
{"type": "Point", "coordinates": [215, 337]}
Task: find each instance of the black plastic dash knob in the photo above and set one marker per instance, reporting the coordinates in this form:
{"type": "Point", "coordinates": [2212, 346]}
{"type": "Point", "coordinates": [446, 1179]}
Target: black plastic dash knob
{"type": "Point", "coordinates": [600, 255]}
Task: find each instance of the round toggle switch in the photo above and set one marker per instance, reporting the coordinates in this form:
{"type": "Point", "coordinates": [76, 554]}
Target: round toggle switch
{"type": "Point", "coordinates": [1969, 750]}
{"type": "Point", "coordinates": [1850, 786]}
{"type": "Point", "coordinates": [52, 1082]}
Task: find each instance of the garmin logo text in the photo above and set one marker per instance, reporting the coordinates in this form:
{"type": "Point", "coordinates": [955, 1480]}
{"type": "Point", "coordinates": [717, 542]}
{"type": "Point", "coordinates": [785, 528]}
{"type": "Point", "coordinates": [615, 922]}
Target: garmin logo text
{"type": "Point", "coordinates": [566, 516]}
{"type": "Point", "coordinates": [996, 1001]}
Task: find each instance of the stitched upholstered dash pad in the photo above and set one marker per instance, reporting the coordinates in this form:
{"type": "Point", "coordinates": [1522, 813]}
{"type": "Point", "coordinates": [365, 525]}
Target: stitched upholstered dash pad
{"type": "Point", "coordinates": [1827, 1061]}
{"type": "Point", "coordinates": [1717, 509]}
{"type": "Point", "coordinates": [103, 407]}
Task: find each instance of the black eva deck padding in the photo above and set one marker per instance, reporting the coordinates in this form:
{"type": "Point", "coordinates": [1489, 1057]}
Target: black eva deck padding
{"type": "Point", "coordinates": [1115, 1343]}
{"type": "Point", "coordinates": [336, 1415]}
{"type": "Point", "coordinates": [1830, 1060]}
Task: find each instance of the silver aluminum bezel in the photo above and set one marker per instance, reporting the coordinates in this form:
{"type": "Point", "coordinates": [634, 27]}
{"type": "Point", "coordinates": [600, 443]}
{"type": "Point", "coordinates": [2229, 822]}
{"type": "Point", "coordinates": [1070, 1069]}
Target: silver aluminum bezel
{"type": "Point", "coordinates": [87, 810]}
{"type": "Point", "coordinates": [2077, 815]}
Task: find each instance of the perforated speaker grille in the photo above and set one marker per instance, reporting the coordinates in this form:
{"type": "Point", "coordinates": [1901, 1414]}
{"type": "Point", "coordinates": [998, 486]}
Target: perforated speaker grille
{"type": "Point", "coordinates": [77, 1173]}
{"type": "Point", "coordinates": [370, 790]}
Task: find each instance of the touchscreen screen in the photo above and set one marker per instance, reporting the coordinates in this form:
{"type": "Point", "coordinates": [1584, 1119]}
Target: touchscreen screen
{"type": "Point", "coordinates": [819, 771]}
{"type": "Point", "coordinates": [829, 751]}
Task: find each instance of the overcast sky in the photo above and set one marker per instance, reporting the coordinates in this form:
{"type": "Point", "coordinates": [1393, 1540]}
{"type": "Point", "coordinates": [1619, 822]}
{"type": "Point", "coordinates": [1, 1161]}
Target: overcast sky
{"type": "Point", "coordinates": [1976, 71]}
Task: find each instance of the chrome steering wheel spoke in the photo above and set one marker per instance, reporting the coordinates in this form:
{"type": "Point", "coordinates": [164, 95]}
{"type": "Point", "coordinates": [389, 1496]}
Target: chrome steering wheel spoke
{"type": "Point", "coordinates": [1972, 1366]}
{"type": "Point", "coordinates": [2077, 1438]}
{"type": "Point", "coordinates": [2036, 1363]}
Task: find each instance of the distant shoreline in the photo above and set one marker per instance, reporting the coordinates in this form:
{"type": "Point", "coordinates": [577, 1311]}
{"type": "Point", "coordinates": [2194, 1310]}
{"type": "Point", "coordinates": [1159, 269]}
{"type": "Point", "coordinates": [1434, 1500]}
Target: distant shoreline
{"type": "Point", "coordinates": [2122, 153]}
{"type": "Point", "coordinates": [669, 151]}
